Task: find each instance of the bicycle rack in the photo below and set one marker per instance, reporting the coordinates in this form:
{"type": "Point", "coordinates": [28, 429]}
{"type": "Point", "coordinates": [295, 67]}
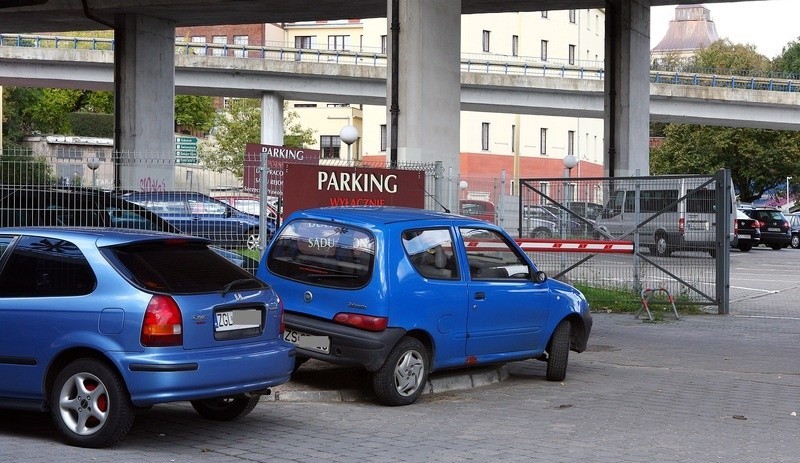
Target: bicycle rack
{"type": "Point", "coordinates": [646, 293]}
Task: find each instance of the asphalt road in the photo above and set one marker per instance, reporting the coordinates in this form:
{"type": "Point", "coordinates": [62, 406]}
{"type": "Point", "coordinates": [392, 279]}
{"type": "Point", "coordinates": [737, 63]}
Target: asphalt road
{"type": "Point", "coordinates": [706, 388]}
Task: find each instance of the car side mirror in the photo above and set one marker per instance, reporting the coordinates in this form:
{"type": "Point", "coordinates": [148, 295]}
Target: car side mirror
{"type": "Point", "coordinates": [539, 277]}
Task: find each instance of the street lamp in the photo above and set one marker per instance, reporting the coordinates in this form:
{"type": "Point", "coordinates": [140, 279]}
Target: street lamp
{"type": "Point", "coordinates": [349, 135]}
{"type": "Point", "coordinates": [93, 163]}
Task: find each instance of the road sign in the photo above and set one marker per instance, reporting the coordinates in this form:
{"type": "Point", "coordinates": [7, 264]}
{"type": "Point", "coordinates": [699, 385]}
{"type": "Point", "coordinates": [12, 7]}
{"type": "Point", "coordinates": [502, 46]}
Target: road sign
{"type": "Point", "coordinates": [185, 149]}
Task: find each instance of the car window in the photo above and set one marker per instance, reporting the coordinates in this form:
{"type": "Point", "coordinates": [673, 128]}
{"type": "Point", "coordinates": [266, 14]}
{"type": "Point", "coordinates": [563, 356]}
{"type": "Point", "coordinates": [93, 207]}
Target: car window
{"type": "Point", "coordinates": [205, 206]}
{"type": "Point", "coordinates": [322, 253]}
{"type": "Point", "coordinates": [431, 252]}
{"type": "Point", "coordinates": [178, 266]}
{"type": "Point", "coordinates": [42, 267]}
{"type": "Point", "coordinates": [490, 256]}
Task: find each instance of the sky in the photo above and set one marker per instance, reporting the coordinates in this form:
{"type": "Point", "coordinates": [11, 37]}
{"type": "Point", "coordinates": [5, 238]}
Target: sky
{"type": "Point", "coordinates": [767, 24]}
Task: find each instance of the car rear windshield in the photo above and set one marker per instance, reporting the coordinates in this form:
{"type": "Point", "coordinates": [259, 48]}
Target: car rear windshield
{"type": "Point", "coordinates": [178, 266]}
{"type": "Point", "coordinates": [322, 253]}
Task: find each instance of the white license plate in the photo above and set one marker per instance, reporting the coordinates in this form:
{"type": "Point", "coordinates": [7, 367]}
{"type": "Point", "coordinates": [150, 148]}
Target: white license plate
{"type": "Point", "coordinates": [308, 341]}
{"type": "Point", "coordinates": [742, 236]}
{"type": "Point", "coordinates": [774, 229]}
{"type": "Point", "coordinates": [698, 226]}
{"type": "Point", "coordinates": [237, 320]}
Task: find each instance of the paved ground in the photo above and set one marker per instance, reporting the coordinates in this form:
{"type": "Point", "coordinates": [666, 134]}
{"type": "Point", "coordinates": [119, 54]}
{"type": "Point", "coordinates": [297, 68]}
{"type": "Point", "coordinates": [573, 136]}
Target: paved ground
{"type": "Point", "coordinates": [706, 388]}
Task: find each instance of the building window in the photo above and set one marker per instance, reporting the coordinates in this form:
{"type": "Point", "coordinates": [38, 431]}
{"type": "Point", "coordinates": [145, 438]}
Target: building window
{"type": "Point", "coordinates": [302, 41]}
{"type": "Point", "coordinates": [514, 45]}
{"type": "Point", "coordinates": [543, 141]}
{"type": "Point", "coordinates": [571, 142]}
{"type": "Point", "coordinates": [219, 40]}
{"type": "Point", "coordinates": [543, 187]}
{"type": "Point", "coordinates": [544, 50]}
{"type": "Point", "coordinates": [513, 138]}
{"type": "Point", "coordinates": [485, 136]}
{"type": "Point", "coordinates": [200, 40]}
{"type": "Point", "coordinates": [383, 137]}
{"type": "Point", "coordinates": [338, 42]}
{"type": "Point", "coordinates": [486, 41]}
{"type": "Point", "coordinates": [544, 14]}
{"type": "Point", "coordinates": [572, 16]}
{"type": "Point", "coordinates": [571, 54]}
{"type": "Point", "coordinates": [305, 105]}
{"type": "Point", "coordinates": [383, 44]}
{"type": "Point", "coordinates": [329, 146]}
{"type": "Point", "coordinates": [240, 41]}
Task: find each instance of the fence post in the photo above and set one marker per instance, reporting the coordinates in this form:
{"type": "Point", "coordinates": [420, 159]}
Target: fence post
{"type": "Point", "coordinates": [723, 256]}
{"type": "Point", "coordinates": [438, 174]}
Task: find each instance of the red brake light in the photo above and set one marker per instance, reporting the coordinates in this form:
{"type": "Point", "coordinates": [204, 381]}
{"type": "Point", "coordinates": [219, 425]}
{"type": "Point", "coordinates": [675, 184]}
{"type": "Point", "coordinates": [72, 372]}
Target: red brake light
{"type": "Point", "coordinates": [365, 322]}
{"type": "Point", "coordinates": [163, 324]}
{"type": "Point", "coordinates": [681, 225]}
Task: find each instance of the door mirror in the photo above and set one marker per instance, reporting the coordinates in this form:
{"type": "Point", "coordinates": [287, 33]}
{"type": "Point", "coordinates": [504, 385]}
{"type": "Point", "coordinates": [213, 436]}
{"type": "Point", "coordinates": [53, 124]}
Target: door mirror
{"type": "Point", "coordinates": [539, 277]}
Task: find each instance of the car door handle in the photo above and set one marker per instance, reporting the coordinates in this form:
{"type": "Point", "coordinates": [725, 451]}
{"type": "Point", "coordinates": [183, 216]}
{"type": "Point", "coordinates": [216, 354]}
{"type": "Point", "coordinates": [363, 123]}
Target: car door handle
{"type": "Point", "coordinates": [480, 296]}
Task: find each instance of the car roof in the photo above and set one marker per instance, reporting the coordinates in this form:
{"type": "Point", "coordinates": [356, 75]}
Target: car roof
{"type": "Point", "coordinates": [381, 215]}
{"type": "Point", "coordinates": [103, 236]}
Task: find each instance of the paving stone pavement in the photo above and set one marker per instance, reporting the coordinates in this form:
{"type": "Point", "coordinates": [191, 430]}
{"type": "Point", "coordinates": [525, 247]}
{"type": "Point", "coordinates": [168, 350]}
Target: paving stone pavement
{"type": "Point", "coordinates": [706, 388]}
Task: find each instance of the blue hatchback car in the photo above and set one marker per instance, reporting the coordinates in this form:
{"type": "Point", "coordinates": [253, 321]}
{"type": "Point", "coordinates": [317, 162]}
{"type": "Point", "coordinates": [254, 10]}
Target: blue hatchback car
{"type": "Point", "coordinates": [98, 323]}
{"type": "Point", "coordinates": [403, 292]}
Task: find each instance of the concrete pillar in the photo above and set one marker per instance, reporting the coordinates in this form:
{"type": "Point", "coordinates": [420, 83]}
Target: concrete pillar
{"type": "Point", "coordinates": [627, 88]}
{"type": "Point", "coordinates": [429, 82]}
{"type": "Point", "coordinates": [144, 83]}
{"type": "Point", "coordinates": [271, 119]}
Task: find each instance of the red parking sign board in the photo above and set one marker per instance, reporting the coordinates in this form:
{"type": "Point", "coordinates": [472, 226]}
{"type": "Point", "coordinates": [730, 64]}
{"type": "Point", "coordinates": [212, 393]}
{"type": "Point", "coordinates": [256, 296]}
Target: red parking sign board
{"type": "Point", "coordinates": [313, 186]}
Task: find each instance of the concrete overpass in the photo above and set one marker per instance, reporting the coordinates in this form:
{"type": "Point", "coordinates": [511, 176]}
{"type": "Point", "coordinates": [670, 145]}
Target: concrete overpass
{"type": "Point", "coordinates": [576, 95]}
{"type": "Point", "coordinates": [423, 81]}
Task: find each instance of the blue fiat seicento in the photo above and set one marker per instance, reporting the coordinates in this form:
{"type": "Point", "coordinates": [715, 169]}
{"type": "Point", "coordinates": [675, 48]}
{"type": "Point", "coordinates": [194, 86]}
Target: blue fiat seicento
{"type": "Point", "coordinates": [403, 292]}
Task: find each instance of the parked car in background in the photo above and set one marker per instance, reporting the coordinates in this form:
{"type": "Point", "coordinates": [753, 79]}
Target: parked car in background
{"type": "Point", "coordinates": [248, 204]}
{"type": "Point", "coordinates": [794, 223]}
{"type": "Point", "coordinates": [101, 322]}
{"type": "Point", "coordinates": [479, 209]}
{"type": "Point", "coordinates": [747, 232]}
{"type": "Point", "coordinates": [561, 220]}
{"type": "Point", "coordinates": [775, 229]}
{"type": "Point", "coordinates": [403, 292]}
{"type": "Point", "coordinates": [197, 214]}
{"type": "Point", "coordinates": [47, 205]}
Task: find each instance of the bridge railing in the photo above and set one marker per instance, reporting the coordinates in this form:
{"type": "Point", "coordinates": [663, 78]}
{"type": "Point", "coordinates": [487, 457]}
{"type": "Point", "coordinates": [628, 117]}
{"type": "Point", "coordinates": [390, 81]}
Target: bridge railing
{"type": "Point", "coordinates": [470, 62]}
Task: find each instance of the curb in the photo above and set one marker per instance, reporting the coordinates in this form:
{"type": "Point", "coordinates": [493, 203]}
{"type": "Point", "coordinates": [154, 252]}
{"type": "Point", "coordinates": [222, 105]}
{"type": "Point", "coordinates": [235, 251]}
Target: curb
{"type": "Point", "coordinates": [441, 382]}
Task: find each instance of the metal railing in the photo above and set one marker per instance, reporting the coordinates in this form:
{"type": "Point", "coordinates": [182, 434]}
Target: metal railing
{"type": "Point", "coordinates": [470, 62]}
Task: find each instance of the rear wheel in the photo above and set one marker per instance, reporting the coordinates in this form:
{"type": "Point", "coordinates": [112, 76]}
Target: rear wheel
{"type": "Point", "coordinates": [745, 247]}
{"type": "Point", "coordinates": [558, 352]}
{"type": "Point", "coordinates": [541, 233]}
{"type": "Point", "coordinates": [252, 240]}
{"type": "Point", "coordinates": [404, 374]}
{"type": "Point", "coordinates": [776, 247]}
{"type": "Point", "coordinates": [661, 247]}
{"type": "Point", "coordinates": [225, 408]}
{"type": "Point", "coordinates": [90, 404]}
{"type": "Point", "coordinates": [795, 241]}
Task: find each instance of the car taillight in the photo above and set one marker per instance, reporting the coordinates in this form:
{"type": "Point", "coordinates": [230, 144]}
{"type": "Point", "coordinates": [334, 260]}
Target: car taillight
{"type": "Point", "coordinates": [735, 227]}
{"type": "Point", "coordinates": [756, 224]}
{"type": "Point", "coordinates": [681, 225]}
{"type": "Point", "coordinates": [282, 326]}
{"type": "Point", "coordinates": [785, 225]}
{"type": "Point", "coordinates": [163, 324]}
{"type": "Point", "coordinates": [365, 322]}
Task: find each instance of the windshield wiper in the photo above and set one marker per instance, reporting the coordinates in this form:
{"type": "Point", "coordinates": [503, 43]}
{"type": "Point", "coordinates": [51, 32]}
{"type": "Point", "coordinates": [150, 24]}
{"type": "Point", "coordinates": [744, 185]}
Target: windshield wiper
{"type": "Point", "coordinates": [317, 276]}
{"type": "Point", "coordinates": [233, 283]}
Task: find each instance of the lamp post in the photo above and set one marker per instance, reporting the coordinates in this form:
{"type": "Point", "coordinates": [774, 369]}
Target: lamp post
{"type": "Point", "coordinates": [349, 135]}
{"type": "Point", "coordinates": [93, 163]}
{"type": "Point", "coordinates": [787, 193]}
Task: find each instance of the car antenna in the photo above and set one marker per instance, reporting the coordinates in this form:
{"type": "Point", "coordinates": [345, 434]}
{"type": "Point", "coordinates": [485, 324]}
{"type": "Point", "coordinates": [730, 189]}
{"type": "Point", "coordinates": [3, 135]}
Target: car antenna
{"type": "Point", "coordinates": [434, 199]}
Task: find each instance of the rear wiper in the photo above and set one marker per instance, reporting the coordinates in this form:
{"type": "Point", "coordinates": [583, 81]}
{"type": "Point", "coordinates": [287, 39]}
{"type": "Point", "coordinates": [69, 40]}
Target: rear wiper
{"type": "Point", "coordinates": [233, 283]}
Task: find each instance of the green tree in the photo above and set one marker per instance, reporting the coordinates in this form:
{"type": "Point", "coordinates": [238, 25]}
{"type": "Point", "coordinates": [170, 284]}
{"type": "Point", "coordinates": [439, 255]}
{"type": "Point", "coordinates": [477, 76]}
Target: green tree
{"type": "Point", "coordinates": [789, 60]}
{"type": "Point", "coordinates": [724, 57]}
{"type": "Point", "coordinates": [195, 113]}
{"type": "Point", "coordinates": [24, 169]}
{"type": "Point", "coordinates": [241, 125]}
{"type": "Point", "coordinates": [759, 159]}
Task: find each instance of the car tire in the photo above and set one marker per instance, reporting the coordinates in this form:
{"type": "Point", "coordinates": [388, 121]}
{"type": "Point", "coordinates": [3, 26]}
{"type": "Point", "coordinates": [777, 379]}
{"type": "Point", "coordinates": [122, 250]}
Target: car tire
{"type": "Point", "coordinates": [541, 233]}
{"type": "Point", "coordinates": [795, 241]}
{"type": "Point", "coordinates": [90, 405]}
{"type": "Point", "coordinates": [225, 408]}
{"type": "Point", "coordinates": [776, 247]}
{"type": "Point", "coordinates": [661, 248]}
{"type": "Point", "coordinates": [252, 240]}
{"type": "Point", "coordinates": [745, 247]}
{"type": "Point", "coordinates": [558, 352]}
{"type": "Point", "coordinates": [403, 376]}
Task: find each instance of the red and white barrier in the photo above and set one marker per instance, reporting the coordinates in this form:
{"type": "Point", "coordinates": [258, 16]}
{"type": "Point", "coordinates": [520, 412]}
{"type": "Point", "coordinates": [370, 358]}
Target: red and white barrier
{"type": "Point", "coordinates": [588, 246]}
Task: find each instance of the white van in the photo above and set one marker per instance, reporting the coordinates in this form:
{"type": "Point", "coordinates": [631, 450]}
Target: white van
{"type": "Point", "coordinates": [674, 213]}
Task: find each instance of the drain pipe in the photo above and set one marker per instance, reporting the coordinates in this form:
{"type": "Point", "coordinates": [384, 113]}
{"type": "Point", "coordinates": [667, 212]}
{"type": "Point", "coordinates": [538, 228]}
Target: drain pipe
{"type": "Point", "coordinates": [394, 109]}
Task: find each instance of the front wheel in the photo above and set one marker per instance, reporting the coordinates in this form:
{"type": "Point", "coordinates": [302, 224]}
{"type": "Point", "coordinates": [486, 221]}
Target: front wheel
{"type": "Point", "coordinates": [776, 247]}
{"type": "Point", "coordinates": [558, 352]}
{"type": "Point", "coordinates": [661, 247]}
{"type": "Point", "coordinates": [90, 405]}
{"type": "Point", "coordinates": [404, 374]}
{"type": "Point", "coordinates": [225, 408]}
{"type": "Point", "coordinates": [795, 241]}
{"type": "Point", "coordinates": [252, 240]}
{"type": "Point", "coordinates": [541, 233]}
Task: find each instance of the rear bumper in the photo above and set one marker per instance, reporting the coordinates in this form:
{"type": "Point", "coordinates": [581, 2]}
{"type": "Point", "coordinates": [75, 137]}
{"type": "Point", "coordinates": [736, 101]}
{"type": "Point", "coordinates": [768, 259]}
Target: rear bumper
{"type": "Point", "coordinates": [349, 345]}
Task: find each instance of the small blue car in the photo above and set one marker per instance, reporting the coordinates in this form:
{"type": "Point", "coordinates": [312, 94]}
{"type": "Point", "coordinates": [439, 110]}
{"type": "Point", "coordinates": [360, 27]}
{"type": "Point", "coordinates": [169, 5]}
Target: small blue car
{"type": "Point", "coordinates": [98, 322]}
{"type": "Point", "coordinates": [403, 292]}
